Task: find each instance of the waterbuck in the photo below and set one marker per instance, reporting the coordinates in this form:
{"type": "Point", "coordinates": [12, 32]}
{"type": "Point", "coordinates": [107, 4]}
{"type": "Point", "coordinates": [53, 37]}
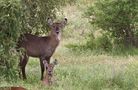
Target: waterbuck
{"type": "Point", "coordinates": [48, 77]}
{"type": "Point", "coordinates": [12, 88]}
{"type": "Point", "coordinates": [41, 47]}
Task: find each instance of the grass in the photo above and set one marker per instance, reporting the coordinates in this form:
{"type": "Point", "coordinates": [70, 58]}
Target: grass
{"type": "Point", "coordinates": [81, 70]}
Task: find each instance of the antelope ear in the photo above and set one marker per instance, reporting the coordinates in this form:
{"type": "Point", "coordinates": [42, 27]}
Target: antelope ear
{"type": "Point", "coordinates": [55, 62]}
{"type": "Point", "coordinates": [49, 21]}
{"type": "Point", "coordinates": [65, 21]}
{"type": "Point", "coordinates": [45, 63]}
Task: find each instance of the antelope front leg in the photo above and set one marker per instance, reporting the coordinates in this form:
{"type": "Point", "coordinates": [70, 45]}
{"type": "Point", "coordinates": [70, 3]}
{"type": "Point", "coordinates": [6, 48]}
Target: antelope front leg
{"type": "Point", "coordinates": [23, 62]}
{"type": "Point", "coordinates": [20, 73]}
{"type": "Point", "coordinates": [42, 68]}
{"type": "Point", "coordinates": [42, 65]}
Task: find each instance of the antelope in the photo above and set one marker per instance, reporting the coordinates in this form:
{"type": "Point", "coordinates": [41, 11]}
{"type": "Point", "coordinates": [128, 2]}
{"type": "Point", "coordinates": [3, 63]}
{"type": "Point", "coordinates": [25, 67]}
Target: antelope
{"type": "Point", "coordinates": [12, 88]}
{"type": "Point", "coordinates": [40, 47]}
{"type": "Point", "coordinates": [49, 72]}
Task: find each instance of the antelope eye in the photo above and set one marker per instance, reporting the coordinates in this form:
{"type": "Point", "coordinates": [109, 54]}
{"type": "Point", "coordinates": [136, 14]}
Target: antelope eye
{"type": "Point", "coordinates": [54, 26]}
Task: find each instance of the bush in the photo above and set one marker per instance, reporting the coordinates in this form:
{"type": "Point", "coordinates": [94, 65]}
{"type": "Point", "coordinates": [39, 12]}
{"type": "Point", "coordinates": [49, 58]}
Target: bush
{"type": "Point", "coordinates": [90, 44]}
{"type": "Point", "coordinates": [10, 29]}
{"type": "Point", "coordinates": [102, 43]}
{"type": "Point", "coordinates": [118, 17]}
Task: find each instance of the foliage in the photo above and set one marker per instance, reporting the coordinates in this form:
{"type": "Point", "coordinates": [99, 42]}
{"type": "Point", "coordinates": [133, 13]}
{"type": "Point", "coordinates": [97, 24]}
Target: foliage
{"type": "Point", "coordinates": [10, 29]}
{"type": "Point", "coordinates": [103, 43]}
{"type": "Point", "coordinates": [36, 13]}
{"type": "Point", "coordinates": [16, 18]}
{"type": "Point", "coordinates": [118, 17]}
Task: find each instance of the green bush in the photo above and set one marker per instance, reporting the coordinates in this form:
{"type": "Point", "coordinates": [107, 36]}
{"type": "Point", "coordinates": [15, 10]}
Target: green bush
{"type": "Point", "coordinates": [100, 44]}
{"type": "Point", "coordinates": [10, 29]}
{"type": "Point", "coordinates": [103, 43]}
{"type": "Point", "coordinates": [90, 44]}
{"type": "Point", "coordinates": [118, 17]}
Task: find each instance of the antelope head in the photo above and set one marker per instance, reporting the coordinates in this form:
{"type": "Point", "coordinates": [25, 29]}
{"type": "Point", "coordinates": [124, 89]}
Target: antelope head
{"type": "Point", "coordinates": [49, 71]}
{"type": "Point", "coordinates": [56, 27]}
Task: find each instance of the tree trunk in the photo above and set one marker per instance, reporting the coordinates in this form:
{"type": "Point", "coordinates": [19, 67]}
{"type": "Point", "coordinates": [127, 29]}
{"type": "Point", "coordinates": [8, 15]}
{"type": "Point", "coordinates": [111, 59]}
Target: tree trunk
{"type": "Point", "coordinates": [129, 38]}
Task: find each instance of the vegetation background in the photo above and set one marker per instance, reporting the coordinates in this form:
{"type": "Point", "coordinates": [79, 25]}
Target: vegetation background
{"type": "Point", "coordinates": [98, 50]}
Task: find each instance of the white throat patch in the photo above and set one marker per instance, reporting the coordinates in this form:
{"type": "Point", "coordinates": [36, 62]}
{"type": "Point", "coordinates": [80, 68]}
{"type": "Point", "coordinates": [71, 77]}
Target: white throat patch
{"type": "Point", "coordinates": [59, 36]}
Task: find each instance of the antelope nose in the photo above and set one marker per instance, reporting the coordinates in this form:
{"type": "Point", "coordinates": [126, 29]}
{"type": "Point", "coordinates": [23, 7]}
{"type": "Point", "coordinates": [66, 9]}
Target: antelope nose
{"type": "Point", "coordinates": [57, 30]}
{"type": "Point", "coordinates": [50, 72]}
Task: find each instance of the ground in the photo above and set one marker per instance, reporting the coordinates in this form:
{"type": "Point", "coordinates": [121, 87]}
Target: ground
{"type": "Point", "coordinates": [82, 70]}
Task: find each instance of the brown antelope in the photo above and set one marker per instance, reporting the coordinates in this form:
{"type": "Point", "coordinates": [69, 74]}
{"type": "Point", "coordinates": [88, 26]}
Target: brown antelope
{"type": "Point", "coordinates": [12, 88]}
{"type": "Point", "coordinates": [49, 72]}
{"type": "Point", "coordinates": [41, 47]}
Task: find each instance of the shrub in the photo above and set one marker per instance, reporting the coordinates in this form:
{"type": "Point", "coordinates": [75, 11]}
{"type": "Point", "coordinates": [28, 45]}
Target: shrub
{"type": "Point", "coordinates": [102, 43]}
{"type": "Point", "coordinates": [10, 29]}
{"type": "Point", "coordinates": [118, 17]}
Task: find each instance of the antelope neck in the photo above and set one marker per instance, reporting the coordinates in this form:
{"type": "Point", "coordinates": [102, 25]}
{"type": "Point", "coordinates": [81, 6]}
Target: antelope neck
{"type": "Point", "coordinates": [55, 36]}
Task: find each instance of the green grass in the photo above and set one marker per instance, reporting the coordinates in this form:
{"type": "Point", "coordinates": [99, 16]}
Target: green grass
{"type": "Point", "coordinates": [81, 70]}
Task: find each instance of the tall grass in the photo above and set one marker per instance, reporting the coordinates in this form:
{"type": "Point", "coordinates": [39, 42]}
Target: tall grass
{"type": "Point", "coordinates": [84, 72]}
{"type": "Point", "coordinates": [79, 67]}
